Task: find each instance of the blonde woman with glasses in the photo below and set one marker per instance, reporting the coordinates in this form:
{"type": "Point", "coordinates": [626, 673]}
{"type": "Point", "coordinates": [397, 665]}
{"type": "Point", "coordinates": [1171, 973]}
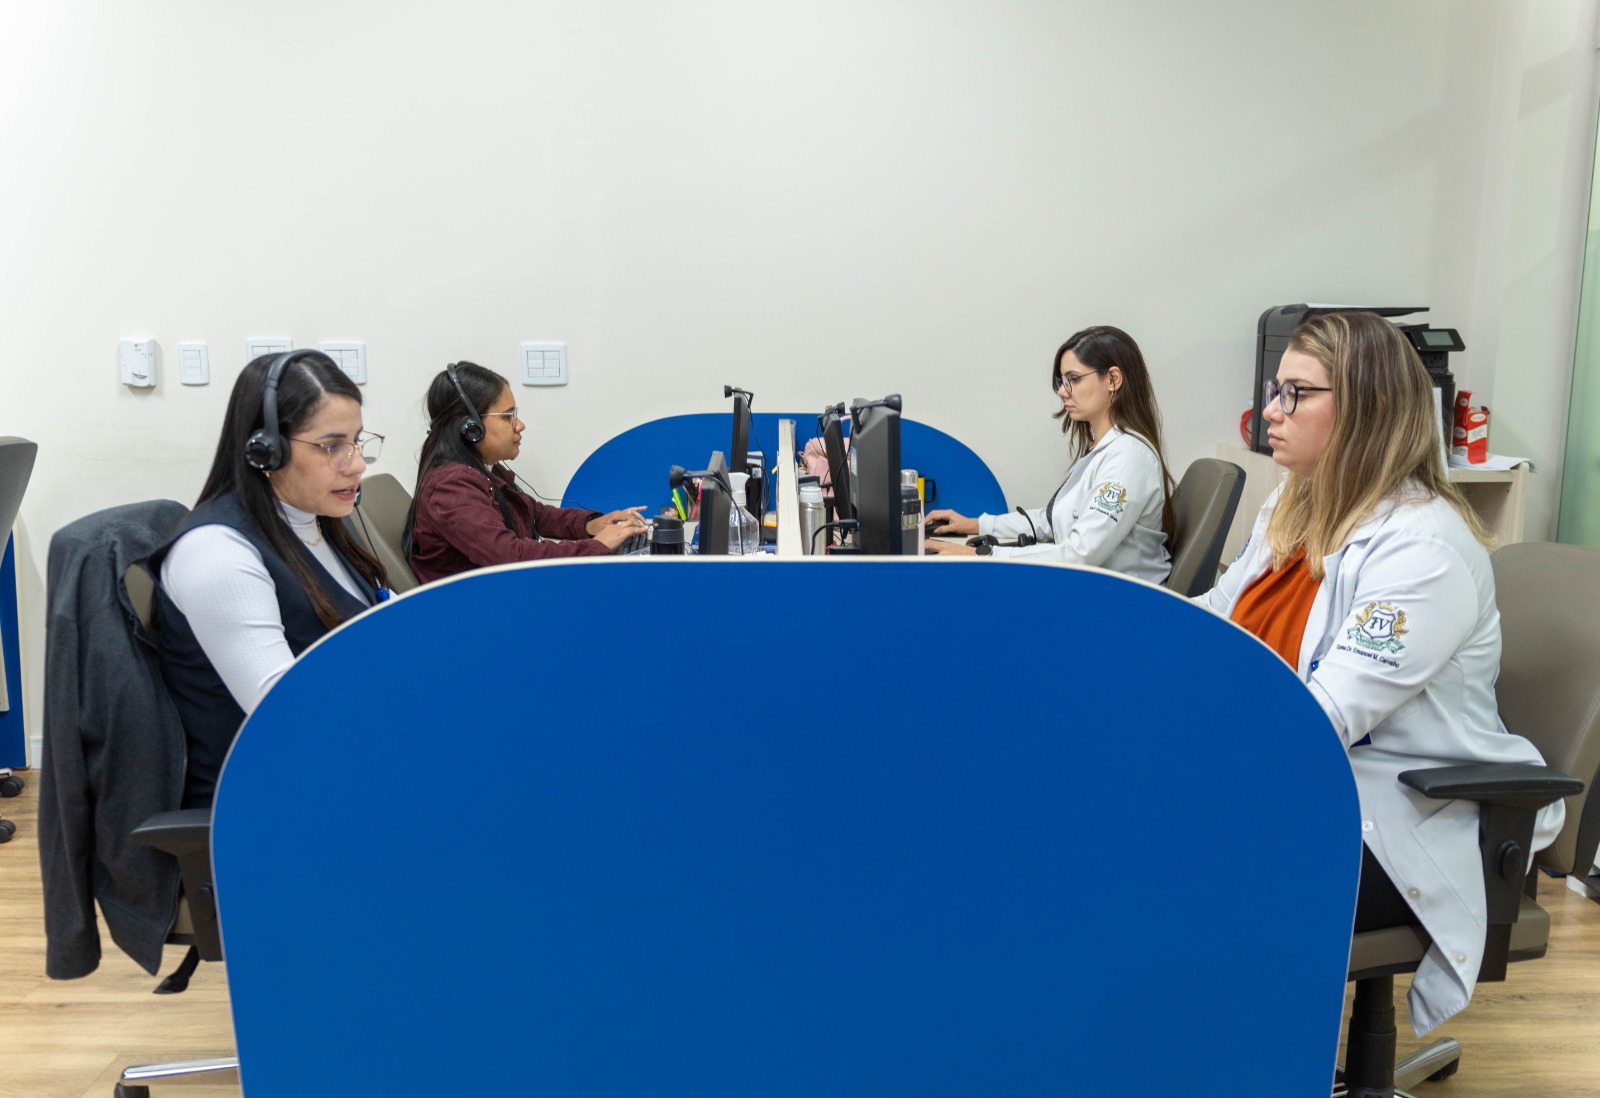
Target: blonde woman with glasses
{"type": "Point", "coordinates": [1368, 573]}
{"type": "Point", "coordinates": [264, 565]}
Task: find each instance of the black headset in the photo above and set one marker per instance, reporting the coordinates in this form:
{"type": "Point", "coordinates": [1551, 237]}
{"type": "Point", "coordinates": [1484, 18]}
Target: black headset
{"type": "Point", "coordinates": [265, 449]}
{"type": "Point", "coordinates": [472, 427]}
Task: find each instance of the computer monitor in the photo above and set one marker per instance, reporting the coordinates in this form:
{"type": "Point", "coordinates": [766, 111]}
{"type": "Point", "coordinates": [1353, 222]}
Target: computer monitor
{"type": "Point", "coordinates": [831, 425]}
{"type": "Point", "coordinates": [739, 456]}
{"type": "Point", "coordinates": [875, 441]}
{"type": "Point", "coordinates": [739, 453]}
{"type": "Point", "coordinates": [714, 507]}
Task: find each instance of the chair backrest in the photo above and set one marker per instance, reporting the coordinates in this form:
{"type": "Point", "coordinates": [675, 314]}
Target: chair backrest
{"type": "Point", "coordinates": [1549, 685]}
{"type": "Point", "coordinates": [16, 466]}
{"type": "Point", "coordinates": [1202, 508]}
{"type": "Point", "coordinates": [383, 507]}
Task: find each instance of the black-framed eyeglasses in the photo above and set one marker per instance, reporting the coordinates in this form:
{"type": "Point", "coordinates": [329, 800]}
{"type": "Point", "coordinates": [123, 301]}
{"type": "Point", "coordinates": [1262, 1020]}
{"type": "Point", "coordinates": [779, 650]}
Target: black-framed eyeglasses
{"type": "Point", "coordinates": [1058, 380]}
{"type": "Point", "coordinates": [1288, 394]}
{"type": "Point", "coordinates": [342, 455]}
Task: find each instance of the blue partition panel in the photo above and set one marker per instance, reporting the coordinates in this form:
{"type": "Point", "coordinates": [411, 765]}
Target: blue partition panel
{"type": "Point", "coordinates": [1114, 858]}
{"type": "Point", "coordinates": [633, 467]}
{"type": "Point", "coordinates": [13, 733]}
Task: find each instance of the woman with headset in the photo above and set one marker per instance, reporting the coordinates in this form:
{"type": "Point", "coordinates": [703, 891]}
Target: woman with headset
{"type": "Point", "coordinates": [263, 566]}
{"type": "Point", "coordinates": [1114, 510]}
{"type": "Point", "coordinates": [1367, 572]}
{"type": "Point", "coordinates": [468, 511]}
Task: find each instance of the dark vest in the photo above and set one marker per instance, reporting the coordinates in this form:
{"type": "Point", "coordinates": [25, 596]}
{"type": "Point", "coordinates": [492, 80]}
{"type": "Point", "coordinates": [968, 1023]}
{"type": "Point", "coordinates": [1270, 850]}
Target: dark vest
{"type": "Point", "coordinates": [211, 718]}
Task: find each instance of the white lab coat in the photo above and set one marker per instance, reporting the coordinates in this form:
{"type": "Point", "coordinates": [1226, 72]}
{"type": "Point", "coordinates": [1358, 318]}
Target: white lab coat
{"type": "Point", "coordinates": [1401, 650]}
{"type": "Point", "coordinates": [1107, 513]}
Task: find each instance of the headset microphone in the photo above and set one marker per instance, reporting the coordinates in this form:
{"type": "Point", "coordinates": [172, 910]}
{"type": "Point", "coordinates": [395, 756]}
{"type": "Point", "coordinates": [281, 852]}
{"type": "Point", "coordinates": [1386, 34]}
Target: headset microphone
{"type": "Point", "coordinates": [472, 428]}
{"type": "Point", "coordinates": [680, 476]}
{"type": "Point", "coordinates": [1027, 539]}
{"type": "Point", "coordinates": [888, 402]}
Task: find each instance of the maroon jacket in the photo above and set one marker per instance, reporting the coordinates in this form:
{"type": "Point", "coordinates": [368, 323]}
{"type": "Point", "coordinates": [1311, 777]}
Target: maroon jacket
{"type": "Point", "coordinates": [459, 525]}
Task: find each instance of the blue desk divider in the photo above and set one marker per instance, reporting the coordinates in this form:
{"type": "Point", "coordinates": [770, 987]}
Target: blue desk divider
{"type": "Point", "coordinates": [633, 467]}
{"type": "Point", "coordinates": [13, 733]}
{"type": "Point", "coordinates": [552, 829]}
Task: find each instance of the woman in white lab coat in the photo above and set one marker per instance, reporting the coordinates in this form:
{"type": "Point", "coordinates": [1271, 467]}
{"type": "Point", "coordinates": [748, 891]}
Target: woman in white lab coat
{"type": "Point", "coordinates": [1114, 510]}
{"type": "Point", "coordinates": [1368, 573]}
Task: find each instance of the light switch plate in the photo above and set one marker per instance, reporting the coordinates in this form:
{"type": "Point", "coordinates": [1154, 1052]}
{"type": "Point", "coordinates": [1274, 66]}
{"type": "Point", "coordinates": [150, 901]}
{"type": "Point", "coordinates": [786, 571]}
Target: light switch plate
{"type": "Point", "coordinates": [194, 363]}
{"type": "Point", "coordinates": [350, 354]}
{"type": "Point", "coordinates": [544, 363]}
{"type": "Point", "coordinates": [256, 346]}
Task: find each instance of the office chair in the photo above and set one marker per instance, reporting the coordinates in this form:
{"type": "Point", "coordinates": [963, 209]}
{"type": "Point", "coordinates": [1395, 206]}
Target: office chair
{"type": "Point", "coordinates": [186, 835]}
{"type": "Point", "coordinates": [382, 510]}
{"type": "Point", "coordinates": [1548, 691]}
{"type": "Point", "coordinates": [1202, 507]}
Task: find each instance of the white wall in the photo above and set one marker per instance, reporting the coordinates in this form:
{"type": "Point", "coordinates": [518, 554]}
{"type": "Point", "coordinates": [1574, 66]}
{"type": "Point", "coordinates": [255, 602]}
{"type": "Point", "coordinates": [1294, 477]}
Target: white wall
{"type": "Point", "coordinates": [814, 201]}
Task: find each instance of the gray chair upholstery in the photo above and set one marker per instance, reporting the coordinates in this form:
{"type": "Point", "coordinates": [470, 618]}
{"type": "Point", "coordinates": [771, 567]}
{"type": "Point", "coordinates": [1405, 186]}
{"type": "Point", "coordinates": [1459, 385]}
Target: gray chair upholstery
{"type": "Point", "coordinates": [1548, 691]}
{"type": "Point", "coordinates": [186, 835]}
{"type": "Point", "coordinates": [1202, 508]}
{"type": "Point", "coordinates": [382, 521]}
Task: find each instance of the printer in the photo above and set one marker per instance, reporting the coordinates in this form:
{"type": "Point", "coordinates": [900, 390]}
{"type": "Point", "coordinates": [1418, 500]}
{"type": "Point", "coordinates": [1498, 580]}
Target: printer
{"type": "Point", "coordinates": [1433, 346]}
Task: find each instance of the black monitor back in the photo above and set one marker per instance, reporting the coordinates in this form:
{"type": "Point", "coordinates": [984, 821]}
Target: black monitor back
{"type": "Point", "coordinates": [838, 466]}
{"type": "Point", "coordinates": [876, 442]}
{"type": "Point", "coordinates": [714, 507]}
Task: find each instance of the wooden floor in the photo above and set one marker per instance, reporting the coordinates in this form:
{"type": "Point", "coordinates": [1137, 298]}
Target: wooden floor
{"type": "Point", "coordinates": [1537, 1034]}
{"type": "Point", "coordinates": [71, 1039]}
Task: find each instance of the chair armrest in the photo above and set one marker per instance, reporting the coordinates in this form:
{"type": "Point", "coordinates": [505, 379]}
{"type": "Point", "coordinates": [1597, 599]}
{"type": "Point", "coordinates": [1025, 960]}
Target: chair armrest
{"type": "Point", "coordinates": [1514, 784]}
{"type": "Point", "coordinates": [1509, 796]}
{"type": "Point", "coordinates": [186, 831]}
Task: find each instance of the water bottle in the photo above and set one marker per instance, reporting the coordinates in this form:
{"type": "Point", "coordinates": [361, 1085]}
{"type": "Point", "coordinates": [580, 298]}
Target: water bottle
{"type": "Point", "coordinates": [811, 512]}
{"type": "Point", "coordinates": [666, 536]}
{"type": "Point", "coordinates": [744, 534]}
{"type": "Point", "coordinates": [911, 529]}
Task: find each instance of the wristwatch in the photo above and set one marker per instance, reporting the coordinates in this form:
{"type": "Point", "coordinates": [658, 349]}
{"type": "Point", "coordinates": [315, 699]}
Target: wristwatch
{"type": "Point", "coordinates": [983, 549]}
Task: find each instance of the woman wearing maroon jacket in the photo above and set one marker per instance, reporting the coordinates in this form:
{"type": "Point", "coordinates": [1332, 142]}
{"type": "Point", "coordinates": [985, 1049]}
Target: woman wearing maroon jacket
{"type": "Point", "coordinates": [468, 512]}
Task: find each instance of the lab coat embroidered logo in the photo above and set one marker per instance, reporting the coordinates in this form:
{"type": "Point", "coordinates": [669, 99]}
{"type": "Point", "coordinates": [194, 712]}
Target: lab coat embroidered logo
{"type": "Point", "coordinates": [1110, 499]}
{"type": "Point", "coordinates": [1379, 627]}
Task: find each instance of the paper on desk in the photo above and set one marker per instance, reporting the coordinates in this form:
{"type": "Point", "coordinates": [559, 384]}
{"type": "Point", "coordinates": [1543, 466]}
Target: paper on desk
{"type": "Point", "coordinates": [1496, 462]}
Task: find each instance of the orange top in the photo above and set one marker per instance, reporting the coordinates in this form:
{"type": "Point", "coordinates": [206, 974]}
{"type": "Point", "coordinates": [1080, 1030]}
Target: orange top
{"type": "Point", "coordinates": [1277, 605]}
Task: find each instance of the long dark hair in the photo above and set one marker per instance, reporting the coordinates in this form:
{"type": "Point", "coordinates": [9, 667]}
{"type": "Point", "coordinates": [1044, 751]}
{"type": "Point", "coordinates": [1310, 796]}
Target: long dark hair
{"type": "Point", "coordinates": [445, 444]}
{"type": "Point", "coordinates": [305, 384]}
{"type": "Point", "coordinates": [1133, 407]}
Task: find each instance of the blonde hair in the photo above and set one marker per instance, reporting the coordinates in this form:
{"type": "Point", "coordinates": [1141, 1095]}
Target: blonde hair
{"type": "Point", "coordinates": [1384, 443]}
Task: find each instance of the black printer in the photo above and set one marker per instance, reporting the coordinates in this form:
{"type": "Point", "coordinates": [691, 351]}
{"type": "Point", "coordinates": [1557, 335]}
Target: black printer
{"type": "Point", "coordinates": [1433, 346]}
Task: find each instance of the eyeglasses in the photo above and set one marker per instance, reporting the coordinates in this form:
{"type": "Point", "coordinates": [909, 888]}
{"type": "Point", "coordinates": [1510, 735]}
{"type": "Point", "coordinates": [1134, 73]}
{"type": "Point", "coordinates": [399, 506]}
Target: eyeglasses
{"type": "Point", "coordinates": [1288, 394]}
{"type": "Point", "coordinates": [342, 455]}
{"type": "Point", "coordinates": [1069, 380]}
{"type": "Point", "coordinates": [510, 415]}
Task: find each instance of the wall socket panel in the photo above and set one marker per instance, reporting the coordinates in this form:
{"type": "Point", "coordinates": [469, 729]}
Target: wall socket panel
{"type": "Point", "coordinates": [194, 363]}
{"type": "Point", "coordinates": [350, 354]}
{"type": "Point", "coordinates": [544, 363]}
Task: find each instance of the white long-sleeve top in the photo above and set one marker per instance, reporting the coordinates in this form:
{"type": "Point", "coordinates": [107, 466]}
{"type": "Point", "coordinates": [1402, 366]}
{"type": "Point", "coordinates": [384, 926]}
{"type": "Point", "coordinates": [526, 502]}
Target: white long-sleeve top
{"type": "Point", "coordinates": [1107, 513]}
{"type": "Point", "coordinates": [217, 580]}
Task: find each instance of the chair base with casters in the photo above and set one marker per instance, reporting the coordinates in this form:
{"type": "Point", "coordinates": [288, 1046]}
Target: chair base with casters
{"type": "Point", "coordinates": [186, 835]}
{"type": "Point", "coordinates": [11, 784]}
{"type": "Point", "coordinates": [135, 1080]}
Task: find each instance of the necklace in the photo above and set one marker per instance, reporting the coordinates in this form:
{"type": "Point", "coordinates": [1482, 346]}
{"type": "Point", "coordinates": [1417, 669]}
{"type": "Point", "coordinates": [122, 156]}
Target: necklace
{"type": "Point", "coordinates": [304, 541]}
